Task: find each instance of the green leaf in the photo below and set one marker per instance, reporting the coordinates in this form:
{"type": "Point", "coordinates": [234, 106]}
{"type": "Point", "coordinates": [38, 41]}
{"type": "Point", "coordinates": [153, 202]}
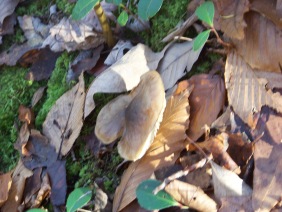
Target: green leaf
{"type": "Point", "coordinates": [149, 201]}
{"type": "Point", "coordinates": [201, 39]}
{"type": "Point", "coordinates": [78, 198]}
{"type": "Point", "coordinates": [148, 8]}
{"type": "Point", "coordinates": [116, 2]}
{"type": "Point", "coordinates": [82, 8]}
{"type": "Point", "coordinates": [205, 12]}
{"type": "Point", "coordinates": [122, 18]}
{"type": "Point", "coordinates": [36, 210]}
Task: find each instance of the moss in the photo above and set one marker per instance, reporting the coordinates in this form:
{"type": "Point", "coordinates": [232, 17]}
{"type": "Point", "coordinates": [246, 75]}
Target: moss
{"type": "Point", "coordinates": [65, 6]}
{"type": "Point", "coordinates": [16, 38]}
{"type": "Point", "coordinates": [35, 8]}
{"type": "Point", "coordinates": [15, 90]}
{"type": "Point", "coordinates": [57, 86]}
{"type": "Point", "coordinates": [161, 24]}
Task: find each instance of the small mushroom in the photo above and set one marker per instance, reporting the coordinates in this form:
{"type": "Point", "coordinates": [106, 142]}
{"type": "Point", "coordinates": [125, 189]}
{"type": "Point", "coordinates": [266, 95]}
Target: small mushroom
{"type": "Point", "coordinates": [135, 117]}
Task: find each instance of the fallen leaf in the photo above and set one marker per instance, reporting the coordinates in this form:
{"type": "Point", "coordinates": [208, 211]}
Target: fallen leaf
{"type": "Point", "coordinates": [177, 61]}
{"type": "Point", "coordinates": [164, 151]}
{"type": "Point", "coordinates": [134, 206]}
{"type": "Point", "coordinates": [43, 193]}
{"type": "Point", "coordinates": [259, 52]}
{"type": "Point", "coordinates": [229, 17]}
{"type": "Point", "coordinates": [240, 203]}
{"type": "Point", "coordinates": [246, 93]}
{"type": "Point", "coordinates": [120, 49]}
{"type": "Point", "coordinates": [123, 75]}
{"type": "Point", "coordinates": [7, 26]}
{"type": "Point", "coordinates": [5, 185]}
{"type": "Point", "coordinates": [43, 65]}
{"type": "Point", "coordinates": [57, 174]}
{"type": "Point", "coordinates": [227, 184]}
{"type": "Point", "coordinates": [19, 177]}
{"type": "Point", "coordinates": [85, 61]}
{"type": "Point", "coordinates": [64, 121]}
{"type": "Point", "coordinates": [136, 26]}
{"type": "Point", "coordinates": [72, 35]}
{"type": "Point", "coordinates": [207, 100]}
{"type": "Point", "coordinates": [191, 196]}
{"type": "Point", "coordinates": [37, 96]}
{"type": "Point", "coordinates": [7, 7]}
{"type": "Point", "coordinates": [101, 199]}
{"type": "Point", "coordinates": [23, 139]}
{"type": "Point", "coordinates": [26, 114]}
{"type": "Point", "coordinates": [268, 164]}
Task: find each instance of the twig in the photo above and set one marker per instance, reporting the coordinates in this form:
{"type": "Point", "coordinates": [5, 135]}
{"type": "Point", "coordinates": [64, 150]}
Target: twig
{"type": "Point", "coordinates": [182, 173]}
{"type": "Point", "coordinates": [219, 40]}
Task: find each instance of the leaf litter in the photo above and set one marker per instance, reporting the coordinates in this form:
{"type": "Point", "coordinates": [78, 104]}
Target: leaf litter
{"type": "Point", "coordinates": [241, 132]}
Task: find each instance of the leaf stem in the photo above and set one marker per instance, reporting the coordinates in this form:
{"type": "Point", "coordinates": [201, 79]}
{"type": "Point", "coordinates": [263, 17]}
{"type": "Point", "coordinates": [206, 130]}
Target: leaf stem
{"type": "Point", "coordinates": [219, 40]}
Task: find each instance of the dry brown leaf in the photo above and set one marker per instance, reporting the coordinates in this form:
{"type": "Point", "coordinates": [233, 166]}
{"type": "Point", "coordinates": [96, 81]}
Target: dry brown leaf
{"type": "Point", "coordinates": [229, 17]}
{"type": "Point", "coordinates": [271, 80]}
{"type": "Point", "coordinates": [206, 100]}
{"type": "Point", "coordinates": [26, 114]}
{"type": "Point", "coordinates": [177, 61]}
{"type": "Point", "coordinates": [123, 75]}
{"type": "Point", "coordinates": [192, 196]}
{"type": "Point", "coordinates": [5, 185]}
{"type": "Point", "coordinates": [163, 152]}
{"type": "Point", "coordinates": [247, 93]}
{"type": "Point", "coordinates": [37, 96]}
{"type": "Point", "coordinates": [241, 203]}
{"type": "Point", "coordinates": [64, 121]}
{"type": "Point", "coordinates": [43, 193]}
{"type": "Point", "coordinates": [18, 184]}
{"type": "Point", "coordinates": [8, 26]}
{"type": "Point", "coordinates": [72, 35]}
{"type": "Point", "coordinates": [7, 7]}
{"type": "Point", "coordinates": [268, 164]}
{"type": "Point", "coordinates": [261, 46]}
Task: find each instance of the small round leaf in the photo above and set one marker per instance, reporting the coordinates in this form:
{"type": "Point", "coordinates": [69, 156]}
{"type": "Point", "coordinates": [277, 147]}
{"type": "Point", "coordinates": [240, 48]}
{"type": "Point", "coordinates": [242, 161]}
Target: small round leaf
{"type": "Point", "coordinates": [148, 8]}
{"type": "Point", "coordinates": [82, 8]}
{"type": "Point", "coordinates": [123, 18]}
{"type": "Point", "coordinates": [78, 198]}
{"type": "Point", "coordinates": [201, 39]}
{"type": "Point", "coordinates": [149, 201]}
{"type": "Point", "coordinates": [205, 12]}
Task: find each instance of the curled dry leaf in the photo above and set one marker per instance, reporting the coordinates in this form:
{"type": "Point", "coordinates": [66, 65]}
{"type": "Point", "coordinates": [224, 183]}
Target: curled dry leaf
{"type": "Point", "coordinates": [120, 49]}
{"type": "Point", "coordinates": [135, 117]}
{"type": "Point", "coordinates": [227, 183]}
{"type": "Point", "coordinates": [19, 177]}
{"type": "Point", "coordinates": [7, 7]}
{"type": "Point", "coordinates": [206, 100]}
{"type": "Point", "coordinates": [43, 192]}
{"type": "Point", "coordinates": [190, 195]}
{"type": "Point", "coordinates": [177, 61]}
{"type": "Point", "coordinates": [37, 96]}
{"type": "Point", "coordinates": [5, 185]}
{"type": "Point", "coordinates": [268, 164]}
{"type": "Point", "coordinates": [164, 151]}
{"type": "Point", "coordinates": [64, 121]}
{"type": "Point", "coordinates": [123, 75]}
{"type": "Point", "coordinates": [7, 26]}
{"type": "Point", "coordinates": [247, 93]}
{"type": "Point", "coordinates": [229, 17]}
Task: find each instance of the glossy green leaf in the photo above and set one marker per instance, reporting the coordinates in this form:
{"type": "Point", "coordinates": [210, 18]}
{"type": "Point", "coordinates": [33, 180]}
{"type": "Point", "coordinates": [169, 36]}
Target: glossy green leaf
{"type": "Point", "coordinates": [78, 198]}
{"type": "Point", "coordinates": [82, 8]}
{"type": "Point", "coordinates": [116, 2]}
{"type": "Point", "coordinates": [123, 18]}
{"type": "Point", "coordinates": [149, 201]}
{"type": "Point", "coordinates": [201, 39]}
{"type": "Point", "coordinates": [148, 8]}
{"type": "Point", "coordinates": [36, 210]}
{"type": "Point", "coordinates": [205, 12]}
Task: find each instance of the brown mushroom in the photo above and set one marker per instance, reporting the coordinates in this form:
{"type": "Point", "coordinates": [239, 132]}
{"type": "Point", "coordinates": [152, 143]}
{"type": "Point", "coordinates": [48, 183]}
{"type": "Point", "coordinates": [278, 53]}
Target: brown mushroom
{"type": "Point", "coordinates": [135, 117]}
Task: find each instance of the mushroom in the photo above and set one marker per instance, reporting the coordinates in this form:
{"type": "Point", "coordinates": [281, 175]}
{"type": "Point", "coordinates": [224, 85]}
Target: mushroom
{"type": "Point", "coordinates": [135, 117]}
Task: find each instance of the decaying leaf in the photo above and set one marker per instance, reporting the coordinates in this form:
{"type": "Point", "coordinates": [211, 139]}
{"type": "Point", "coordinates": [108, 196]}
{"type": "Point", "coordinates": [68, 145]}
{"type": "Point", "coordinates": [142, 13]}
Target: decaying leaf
{"type": "Point", "coordinates": [229, 17]}
{"type": "Point", "coordinates": [259, 52]}
{"type": "Point", "coordinates": [37, 96]}
{"type": "Point", "coordinates": [64, 121]}
{"type": "Point", "coordinates": [163, 152]}
{"type": "Point", "coordinates": [7, 7]}
{"type": "Point", "coordinates": [123, 75]}
{"type": "Point", "coordinates": [177, 61]}
{"type": "Point", "coordinates": [236, 203]}
{"type": "Point", "coordinates": [206, 100]}
{"type": "Point", "coordinates": [43, 193]}
{"type": "Point", "coordinates": [120, 49]}
{"type": "Point", "coordinates": [26, 114]}
{"type": "Point", "coordinates": [5, 185]}
{"type": "Point", "coordinates": [268, 164]}
{"type": "Point", "coordinates": [247, 93]}
{"type": "Point", "coordinates": [19, 177]}
{"type": "Point", "coordinates": [190, 195]}
{"type": "Point", "coordinates": [227, 183]}
{"type": "Point", "coordinates": [7, 26]}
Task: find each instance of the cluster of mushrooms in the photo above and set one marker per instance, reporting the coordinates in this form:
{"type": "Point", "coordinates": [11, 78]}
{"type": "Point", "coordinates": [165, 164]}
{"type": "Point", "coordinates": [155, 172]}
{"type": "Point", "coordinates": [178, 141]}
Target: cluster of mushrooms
{"type": "Point", "coordinates": [134, 117]}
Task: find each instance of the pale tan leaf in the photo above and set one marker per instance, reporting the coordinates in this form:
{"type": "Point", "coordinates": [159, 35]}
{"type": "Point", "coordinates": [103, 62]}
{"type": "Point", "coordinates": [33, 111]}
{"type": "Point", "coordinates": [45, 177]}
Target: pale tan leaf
{"type": "Point", "coordinates": [123, 75]}
{"type": "Point", "coordinates": [163, 152]}
{"type": "Point", "coordinates": [267, 184]}
{"type": "Point", "coordinates": [37, 96]}
{"type": "Point", "coordinates": [5, 185]}
{"type": "Point", "coordinates": [269, 79]}
{"type": "Point", "coordinates": [261, 47]}
{"type": "Point", "coordinates": [64, 122]}
{"type": "Point", "coordinates": [177, 61]}
{"type": "Point", "coordinates": [206, 100]}
{"type": "Point", "coordinates": [18, 184]}
{"type": "Point", "coordinates": [227, 183]}
{"type": "Point", "coordinates": [192, 196]}
{"type": "Point", "coordinates": [229, 17]}
{"type": "Point", "coordinates": [245, 90]}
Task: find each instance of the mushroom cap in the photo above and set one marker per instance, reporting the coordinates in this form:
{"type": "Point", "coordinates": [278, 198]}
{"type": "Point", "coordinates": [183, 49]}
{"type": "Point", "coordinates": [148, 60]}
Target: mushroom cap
{"type": "Point", "coordinates": [111, 119]}
{"type": "Point", "coordinates": [142, 116]}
